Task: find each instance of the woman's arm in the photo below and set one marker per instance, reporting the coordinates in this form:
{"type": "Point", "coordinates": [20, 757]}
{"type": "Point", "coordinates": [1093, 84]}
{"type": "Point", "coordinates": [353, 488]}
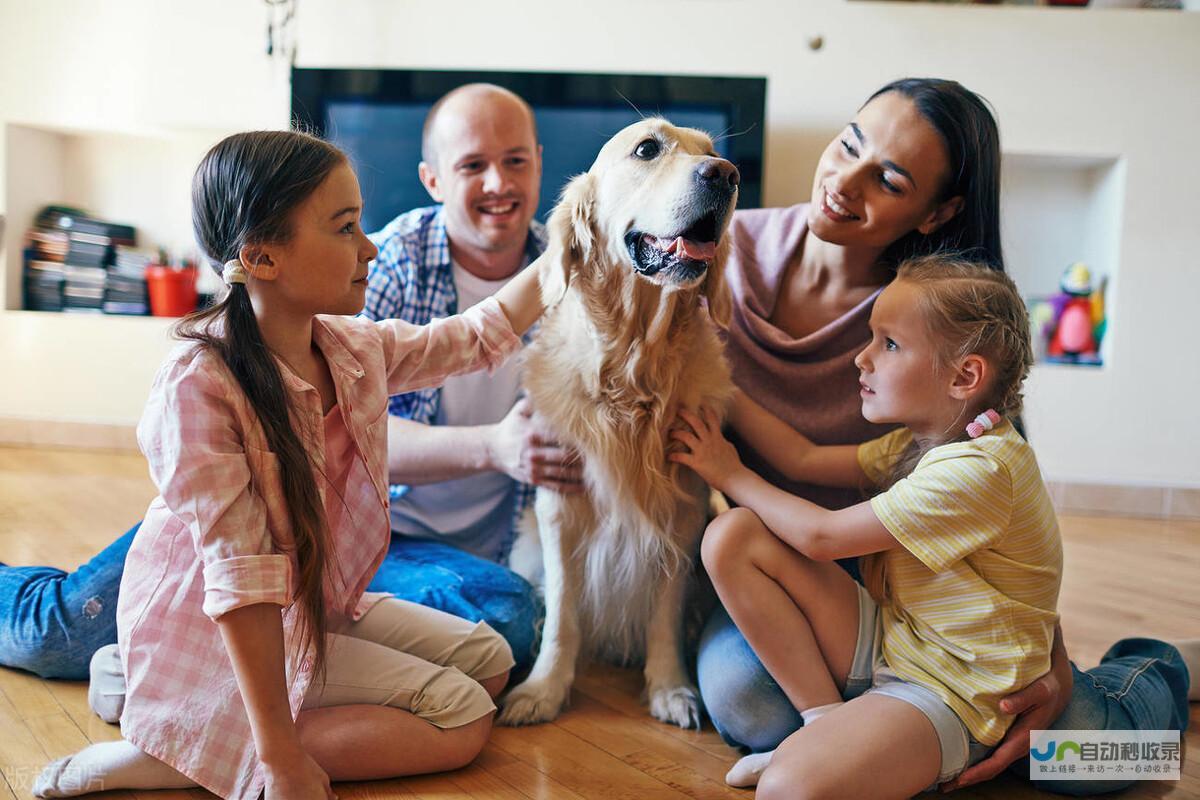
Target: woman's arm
{"type": "Point", "coordinates": [818, 533]}
{"type": "Point", "coordinates": [791, 452]}
{"type": "Point", "coordinates": [253, 637]}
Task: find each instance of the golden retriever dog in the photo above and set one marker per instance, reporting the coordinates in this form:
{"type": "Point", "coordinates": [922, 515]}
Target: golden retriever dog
{"type": "Point", "coordinates": [634, 290]}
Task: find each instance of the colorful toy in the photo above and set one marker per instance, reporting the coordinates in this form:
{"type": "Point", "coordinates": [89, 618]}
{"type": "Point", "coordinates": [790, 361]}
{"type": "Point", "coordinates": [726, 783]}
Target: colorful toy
{"type": "Point", "coordinates": [1077, 322]}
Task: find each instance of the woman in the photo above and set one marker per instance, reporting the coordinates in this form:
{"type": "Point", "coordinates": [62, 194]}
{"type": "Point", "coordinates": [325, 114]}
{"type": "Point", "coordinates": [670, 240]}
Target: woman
{"type": "Point", "coordinates": [917, 171]}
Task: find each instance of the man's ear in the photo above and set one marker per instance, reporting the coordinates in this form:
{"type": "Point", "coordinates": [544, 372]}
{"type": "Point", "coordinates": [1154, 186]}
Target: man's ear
{"type": "Point", "coordinates": [429, 179]}
{"type": "Point", "coordinates": [941, 215]}
{"type": "Point", "coordinates": [970, 378]}
{"type": "Point", "coordinates": [572, 236]}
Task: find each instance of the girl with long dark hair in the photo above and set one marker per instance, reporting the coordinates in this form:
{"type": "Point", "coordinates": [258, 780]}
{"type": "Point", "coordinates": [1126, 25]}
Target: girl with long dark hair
{"type": "Point", "coordinates": [254, 658]}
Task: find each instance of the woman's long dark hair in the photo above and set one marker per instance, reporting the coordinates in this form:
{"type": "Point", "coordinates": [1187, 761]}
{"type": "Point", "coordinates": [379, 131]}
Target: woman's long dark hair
{"type": "Point", "coordinates": [968, 130]}
{"type": "Point", "coordinates": [244, 192]}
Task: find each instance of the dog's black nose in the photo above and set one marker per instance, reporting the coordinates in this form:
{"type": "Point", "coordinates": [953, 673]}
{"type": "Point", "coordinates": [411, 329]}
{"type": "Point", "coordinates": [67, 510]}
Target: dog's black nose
{"type": "Point", "coordinates": [718, 173]}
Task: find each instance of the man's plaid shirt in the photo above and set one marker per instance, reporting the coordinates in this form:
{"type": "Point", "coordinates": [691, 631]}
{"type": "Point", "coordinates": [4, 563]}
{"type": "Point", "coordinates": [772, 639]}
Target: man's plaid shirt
{"type": "Point", "coordinates": [411, 279]}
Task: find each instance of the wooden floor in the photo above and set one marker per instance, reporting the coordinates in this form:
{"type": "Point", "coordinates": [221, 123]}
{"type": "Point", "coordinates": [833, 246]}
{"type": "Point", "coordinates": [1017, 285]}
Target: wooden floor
{"type": "Point", "coordinates": [1123, 577]}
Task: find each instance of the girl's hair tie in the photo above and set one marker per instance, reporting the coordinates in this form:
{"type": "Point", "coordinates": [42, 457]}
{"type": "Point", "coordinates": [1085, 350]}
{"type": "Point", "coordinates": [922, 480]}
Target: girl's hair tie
{"type": "Point", "coordinates": [984, 422]}
{"type": "Point", "coordinates": [233, 272]}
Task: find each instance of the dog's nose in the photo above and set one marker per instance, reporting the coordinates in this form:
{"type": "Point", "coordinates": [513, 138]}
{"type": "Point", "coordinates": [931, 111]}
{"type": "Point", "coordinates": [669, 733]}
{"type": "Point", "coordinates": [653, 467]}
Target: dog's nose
{"type": "Point", "coordinates": [718, 173]}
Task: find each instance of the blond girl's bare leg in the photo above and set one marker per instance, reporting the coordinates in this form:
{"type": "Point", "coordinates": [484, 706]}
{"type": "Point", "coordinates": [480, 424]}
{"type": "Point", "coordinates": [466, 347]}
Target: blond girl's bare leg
{"type": "Point", "coordinates": [871, 748]}
{"type": "Point", "coordinates": [769, 588]}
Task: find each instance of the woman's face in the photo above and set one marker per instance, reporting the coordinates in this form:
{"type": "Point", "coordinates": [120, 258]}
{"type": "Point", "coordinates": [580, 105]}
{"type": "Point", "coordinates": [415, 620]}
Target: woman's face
{"type": "Point", "coordinates": [881, 178]}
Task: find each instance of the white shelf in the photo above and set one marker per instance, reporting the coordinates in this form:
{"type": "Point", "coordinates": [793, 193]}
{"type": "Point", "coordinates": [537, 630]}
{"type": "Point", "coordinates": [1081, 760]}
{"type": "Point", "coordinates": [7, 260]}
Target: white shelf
{"type": "Point", "coordinates": [141, 179]}
{"type": "Point", "coordinates": [1057, 209]}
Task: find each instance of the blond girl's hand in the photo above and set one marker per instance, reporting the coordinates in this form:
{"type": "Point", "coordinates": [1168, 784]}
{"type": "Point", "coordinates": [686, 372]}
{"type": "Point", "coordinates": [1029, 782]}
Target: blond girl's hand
{"type": "Point", "coordinates": [709, 453]}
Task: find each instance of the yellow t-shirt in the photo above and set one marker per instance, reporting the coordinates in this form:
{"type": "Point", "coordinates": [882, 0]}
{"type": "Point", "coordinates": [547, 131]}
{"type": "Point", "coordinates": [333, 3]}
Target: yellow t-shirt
{"type": "Point", "coordinates": [968, 602]}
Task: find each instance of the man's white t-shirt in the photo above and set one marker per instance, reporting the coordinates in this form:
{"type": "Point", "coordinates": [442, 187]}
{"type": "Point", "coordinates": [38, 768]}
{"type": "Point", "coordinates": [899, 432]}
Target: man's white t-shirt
{"type": "Point", "coordinates": [472, 513]}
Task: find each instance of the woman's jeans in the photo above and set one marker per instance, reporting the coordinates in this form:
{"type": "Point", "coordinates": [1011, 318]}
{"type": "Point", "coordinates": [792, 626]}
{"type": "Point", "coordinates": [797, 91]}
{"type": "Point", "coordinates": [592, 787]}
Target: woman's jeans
{"type": "Point", "coordinates": [52, 621]}
{"type": "Point", "coordinates": [1139, 684]}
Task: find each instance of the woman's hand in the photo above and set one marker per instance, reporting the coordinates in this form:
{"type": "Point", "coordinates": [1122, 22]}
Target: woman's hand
{"type": "Point", "coordinates": [709, 453]}
{"type": "Point", "coordinates": [297, 777]}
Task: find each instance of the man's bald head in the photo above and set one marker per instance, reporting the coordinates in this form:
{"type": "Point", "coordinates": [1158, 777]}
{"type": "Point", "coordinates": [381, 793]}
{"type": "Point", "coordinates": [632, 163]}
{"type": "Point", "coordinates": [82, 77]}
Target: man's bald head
{"type": "Point", "coordinates": [467, 101]}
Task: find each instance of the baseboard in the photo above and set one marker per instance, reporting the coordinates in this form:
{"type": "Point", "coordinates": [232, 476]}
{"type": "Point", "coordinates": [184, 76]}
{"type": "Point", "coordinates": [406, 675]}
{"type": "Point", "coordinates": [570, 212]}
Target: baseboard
{"type": "Point", "coordinates": [24, 432]}
{"type": "Point", "coordinates": [1157, 502]}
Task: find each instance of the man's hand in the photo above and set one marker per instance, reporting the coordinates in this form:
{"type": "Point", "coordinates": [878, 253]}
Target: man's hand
{"type": "Point", "coordinates": [521, 446]}
{"type": "Point", "coordinates": [1037, 706]}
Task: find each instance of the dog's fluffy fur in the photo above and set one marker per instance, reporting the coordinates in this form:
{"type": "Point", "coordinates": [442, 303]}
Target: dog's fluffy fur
{"type": "Point", "coordinates": [621, 349]}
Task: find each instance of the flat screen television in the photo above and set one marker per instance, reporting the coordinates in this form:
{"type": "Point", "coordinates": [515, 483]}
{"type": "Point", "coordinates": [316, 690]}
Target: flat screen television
{"type": "Point", "coordinates": [376, 116]}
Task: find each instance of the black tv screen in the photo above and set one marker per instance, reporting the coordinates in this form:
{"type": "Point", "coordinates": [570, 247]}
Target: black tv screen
{"type": "Point", "coordinates": [376, 116]}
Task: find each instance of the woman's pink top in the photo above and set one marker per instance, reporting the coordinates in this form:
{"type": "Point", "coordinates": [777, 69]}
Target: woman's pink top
{"type": "Point", "coordinates": [811, 382]}
{"type": "Point", "coordinates": [218, 536]}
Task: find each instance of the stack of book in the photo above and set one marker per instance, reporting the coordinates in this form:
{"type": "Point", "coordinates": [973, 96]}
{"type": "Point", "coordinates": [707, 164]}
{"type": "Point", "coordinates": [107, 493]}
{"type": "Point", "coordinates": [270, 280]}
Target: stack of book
{"type": "Point", "coordinates": [67, 264]}
{"type": "Point", "coordinates": [45, 251]}
{"type": "Point", "coordinates": [86, 269]}
{"type": "Point", "coordinates": [125, 286]}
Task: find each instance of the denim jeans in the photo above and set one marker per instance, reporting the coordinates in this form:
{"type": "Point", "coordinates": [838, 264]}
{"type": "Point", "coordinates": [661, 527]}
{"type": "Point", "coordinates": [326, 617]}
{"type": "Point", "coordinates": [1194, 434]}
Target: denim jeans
{"type": "Point", "coordinates": [52, 621]}
{"type": "Point", "coordinates": [441, 576]}
{"type": "Point", "coordinates": [1139, 684]}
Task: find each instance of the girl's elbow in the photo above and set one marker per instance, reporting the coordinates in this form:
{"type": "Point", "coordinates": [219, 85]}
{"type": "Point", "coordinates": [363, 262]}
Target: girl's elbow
{"type": "Point", "coordinates": [821, 547]}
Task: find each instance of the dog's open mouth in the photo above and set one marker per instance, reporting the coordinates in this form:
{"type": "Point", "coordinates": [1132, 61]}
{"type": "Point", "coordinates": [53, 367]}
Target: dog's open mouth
{"type": "Point", "coordinates": [683, 256]}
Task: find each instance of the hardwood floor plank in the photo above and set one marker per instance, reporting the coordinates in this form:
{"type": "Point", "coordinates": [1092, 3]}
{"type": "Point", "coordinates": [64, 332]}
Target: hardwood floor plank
{"type": "Point", "coordinates": [1122, 577]}
{"type": "Point", "coordinates": [580, 766]}
{"type": "Point", "coordinates": [72, 697]}
{"type": "Point", "coordinates": [523, 777]}
{"type": "Point", "coordinates": [28, 694]}
{"type": "Point", "coordinates": [21, 756]}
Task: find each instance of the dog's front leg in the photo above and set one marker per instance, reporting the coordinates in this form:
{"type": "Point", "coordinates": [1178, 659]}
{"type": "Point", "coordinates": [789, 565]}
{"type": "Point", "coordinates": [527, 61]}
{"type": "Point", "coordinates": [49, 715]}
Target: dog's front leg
{"type": "Point", "coordinates": [673, 698]}
{"type": "Point", "coordinates": [544, 693]}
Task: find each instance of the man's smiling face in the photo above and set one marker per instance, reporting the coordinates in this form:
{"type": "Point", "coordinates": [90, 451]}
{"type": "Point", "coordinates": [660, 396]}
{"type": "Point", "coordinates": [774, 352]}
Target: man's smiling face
{"type": "Point", "coordinates": [486, 170]}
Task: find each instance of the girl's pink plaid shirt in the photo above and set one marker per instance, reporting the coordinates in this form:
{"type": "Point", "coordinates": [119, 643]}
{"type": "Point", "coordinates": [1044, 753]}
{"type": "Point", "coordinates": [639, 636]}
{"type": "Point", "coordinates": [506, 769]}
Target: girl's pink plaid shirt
{"type": "Point", "coordinates": [216, 538]}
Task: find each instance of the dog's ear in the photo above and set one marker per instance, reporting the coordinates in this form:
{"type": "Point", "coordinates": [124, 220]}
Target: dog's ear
{"type": "Point", "coordinates": [572, 236]}
{"type": "Point", "coordinates": [716, 291]}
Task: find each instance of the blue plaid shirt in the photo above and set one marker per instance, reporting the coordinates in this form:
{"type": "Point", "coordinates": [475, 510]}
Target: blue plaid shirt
{"type": "Point", "coordinates": [411, 279]}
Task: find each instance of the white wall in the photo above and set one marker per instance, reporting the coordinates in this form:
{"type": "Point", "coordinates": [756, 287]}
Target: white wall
{"type": "Point", "coordinates": [1064, 81]}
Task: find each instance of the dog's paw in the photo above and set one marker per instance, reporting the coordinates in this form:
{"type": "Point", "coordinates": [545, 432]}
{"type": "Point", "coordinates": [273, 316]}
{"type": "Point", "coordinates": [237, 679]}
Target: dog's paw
{"type": "Point", "coordinates": [677, 705]}
{"type": "Point", "coordinates": [532, 702]}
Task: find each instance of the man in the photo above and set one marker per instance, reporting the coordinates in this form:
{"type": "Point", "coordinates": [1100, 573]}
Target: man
{"type": "Point", "coordinates": [463, 458]}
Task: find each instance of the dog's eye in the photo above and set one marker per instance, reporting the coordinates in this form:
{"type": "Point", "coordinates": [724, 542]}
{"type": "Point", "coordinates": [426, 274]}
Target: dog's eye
{"type": "Point", "coordinates": [648, 149]}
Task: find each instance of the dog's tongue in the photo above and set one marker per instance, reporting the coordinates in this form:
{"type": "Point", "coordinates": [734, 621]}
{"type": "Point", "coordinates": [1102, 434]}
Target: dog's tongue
{"type": "Point", "coordinates": [696, 251]}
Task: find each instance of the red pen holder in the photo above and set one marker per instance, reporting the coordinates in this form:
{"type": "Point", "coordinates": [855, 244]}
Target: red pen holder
{"type": "Point", "coordinates": [172, 291]}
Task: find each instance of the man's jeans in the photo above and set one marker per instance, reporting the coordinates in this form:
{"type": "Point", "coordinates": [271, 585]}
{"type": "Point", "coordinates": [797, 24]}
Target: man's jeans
{"type": "Point", "coordinates": [1139, 684]}
{"type": "Point", "coordinates": [443, 577]}
{"type": "Point", "coordinates": [52, 621]}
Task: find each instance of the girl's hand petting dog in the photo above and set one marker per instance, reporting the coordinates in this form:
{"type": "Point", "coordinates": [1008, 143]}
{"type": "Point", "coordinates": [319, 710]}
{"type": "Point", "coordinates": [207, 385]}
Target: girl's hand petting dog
{"type": "Point", "coordinates": [709, 453]}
